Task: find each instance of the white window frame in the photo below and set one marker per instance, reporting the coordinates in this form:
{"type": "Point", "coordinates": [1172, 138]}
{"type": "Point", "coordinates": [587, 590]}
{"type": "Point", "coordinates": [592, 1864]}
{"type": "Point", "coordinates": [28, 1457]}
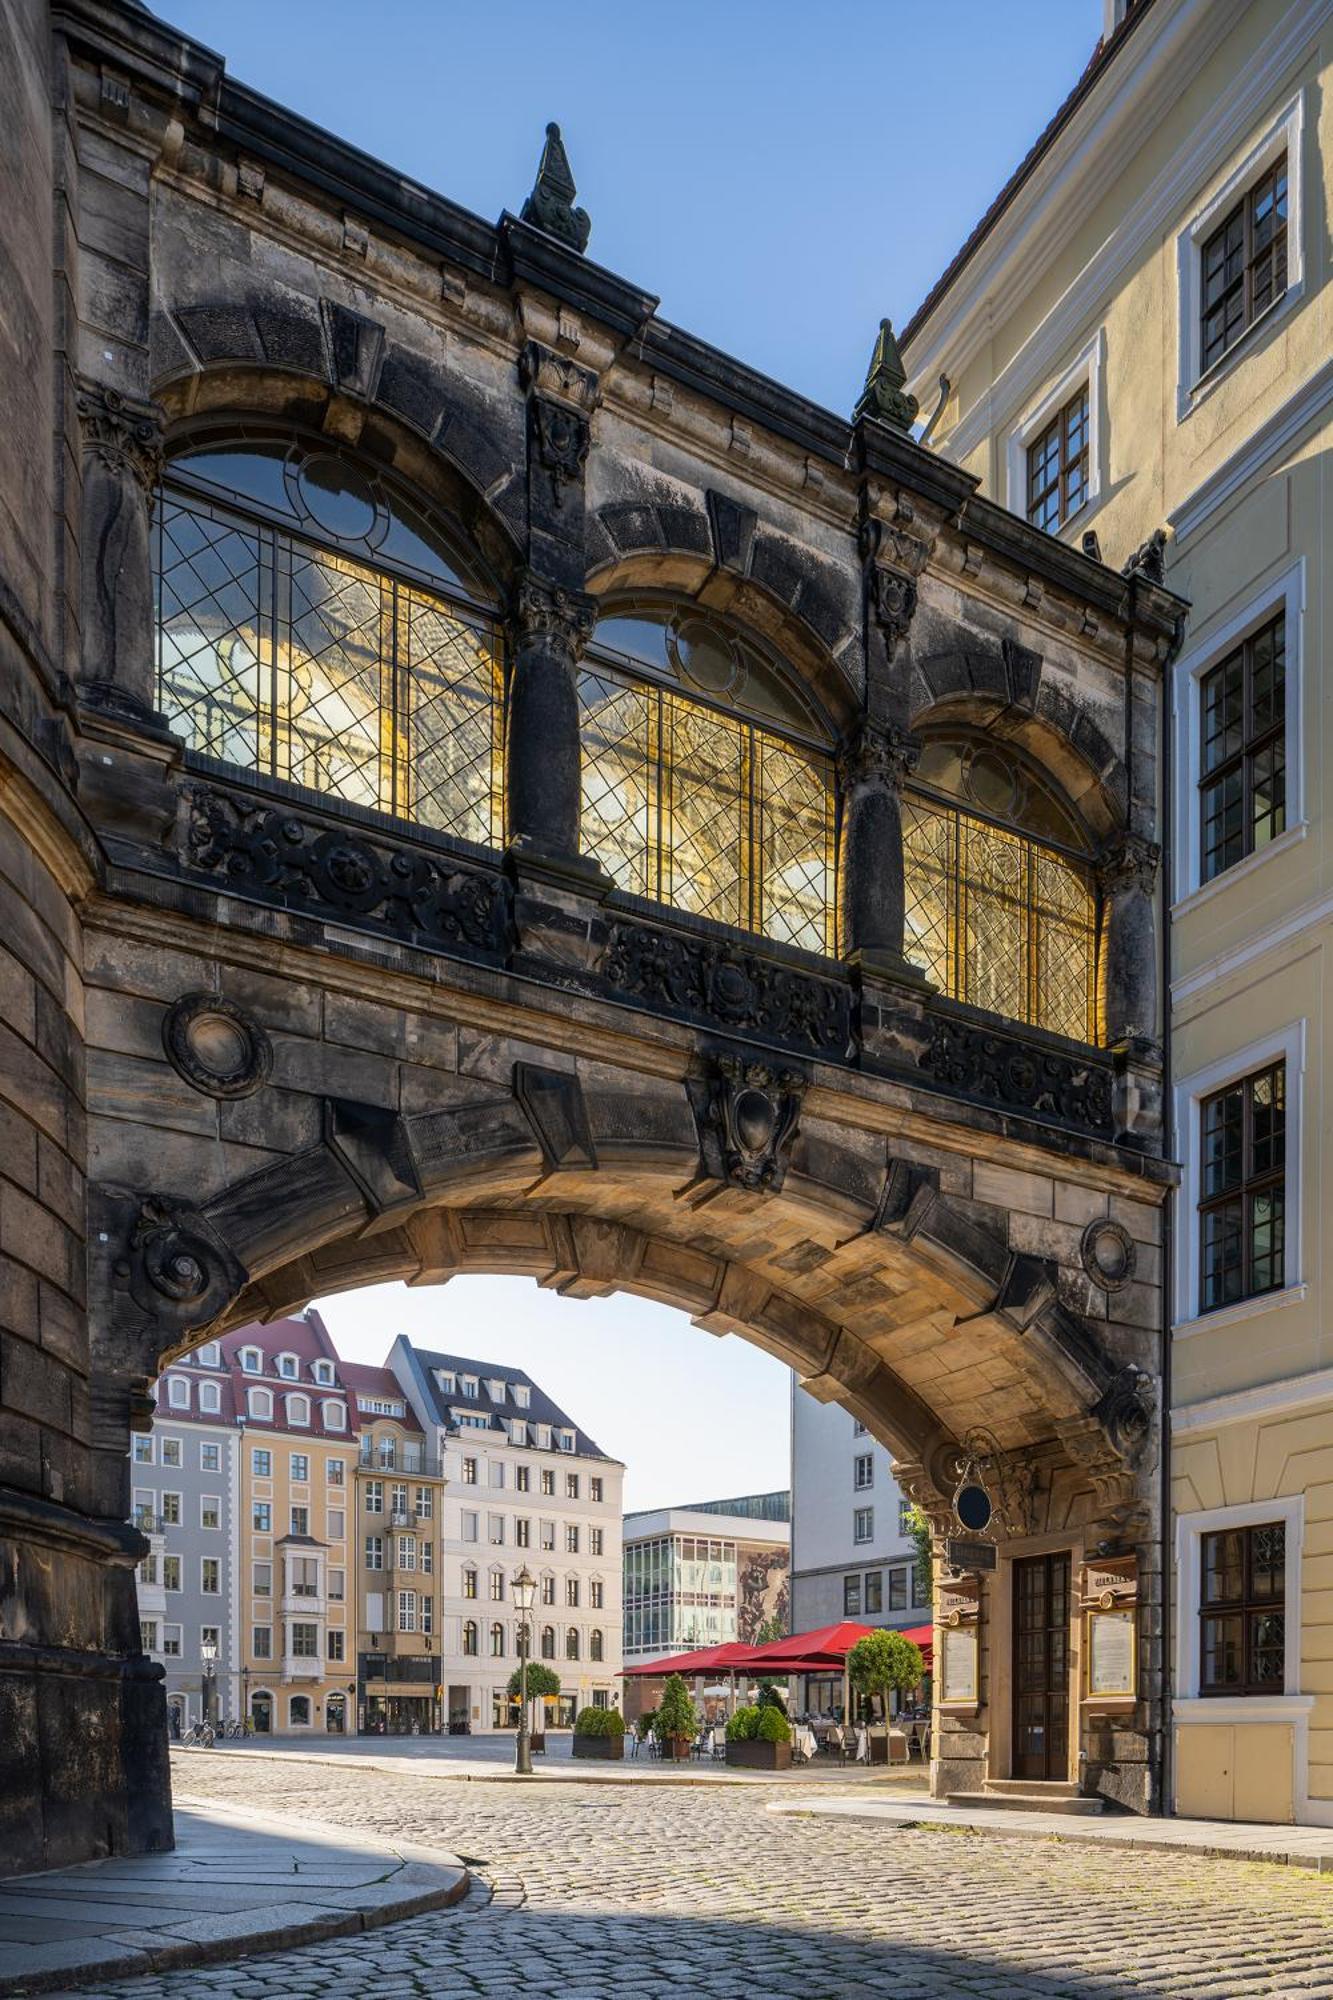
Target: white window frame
{"type": "Point", "coordinates": [288, 1367]}
{"type": "Point", "coordinates": [213, 1500]}
{"type": "Point", "coordinates": [178, 1392]}
{"type": "Point", "coordinates": [1286, 593]}
{"type": "Point", "coordinates": [204, 1561]}
{"type": "Point", "coordinates": [322, 1372]}
{"type": "Point", "coordinates": [252, 1361]}
{"type": "Point", "coordinates": [259, 1403]}
{"type": "Point", "coordinates": [1087, 368]}
{"type": "Point", "coordinates": [179, 1651]}
{"type": "Point", "coordinates": [1284, 135]}
{"type": "Point", "coordinates": [210, 1399]}
{"type": "Point", "coordinates": [860, 1541]}
{"type": "Point", "coordinates": [172, 1454]}
{"type": "Point", "coordinates": [210, 1457]}
{"type": "Point", "coordinates": [334, 1415]}
{"type": "Point", "coordinates": [209, 1355]}
{"type": "Point", "coordinates": [1287, 1043]}
{"type": "Point", "coordinates": [289, 1403]}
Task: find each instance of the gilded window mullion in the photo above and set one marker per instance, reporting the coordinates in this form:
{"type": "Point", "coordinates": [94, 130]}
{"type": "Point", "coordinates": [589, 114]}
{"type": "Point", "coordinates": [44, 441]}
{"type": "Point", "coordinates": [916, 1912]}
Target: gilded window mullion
{"type": "Point", "coordinates": [752, 777]}
{"type": "Point", "coordinates": [282, 641]}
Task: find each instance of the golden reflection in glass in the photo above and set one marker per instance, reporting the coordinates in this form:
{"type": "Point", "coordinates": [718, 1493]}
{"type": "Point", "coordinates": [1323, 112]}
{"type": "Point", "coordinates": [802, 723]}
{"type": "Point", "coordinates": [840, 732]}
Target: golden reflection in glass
{"type": "Point", "coordinates": [691, 806]}
{"type": "Point", "coordinates": [1000, 921]}
{"type": "Point", "coordinates": [321, 670]}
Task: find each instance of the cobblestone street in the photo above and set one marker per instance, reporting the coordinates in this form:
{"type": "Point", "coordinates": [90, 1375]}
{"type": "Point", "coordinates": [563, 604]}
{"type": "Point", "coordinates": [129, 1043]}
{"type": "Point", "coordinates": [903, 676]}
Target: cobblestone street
{"type": "Point", "coordinates": [594, 1893]}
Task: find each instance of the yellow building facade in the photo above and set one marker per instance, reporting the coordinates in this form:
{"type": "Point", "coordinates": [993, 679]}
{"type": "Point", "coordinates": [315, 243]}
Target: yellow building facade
{"type": "Point", "coordinates": [295, 1583]}
{"type": "Point", "coordinates": [1139, 338]}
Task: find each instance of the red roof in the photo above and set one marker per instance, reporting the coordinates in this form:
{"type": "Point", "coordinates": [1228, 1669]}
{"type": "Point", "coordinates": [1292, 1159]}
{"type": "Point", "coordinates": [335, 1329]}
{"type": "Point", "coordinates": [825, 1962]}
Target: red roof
{"type": "Point", "coordinates": [828, 1644]}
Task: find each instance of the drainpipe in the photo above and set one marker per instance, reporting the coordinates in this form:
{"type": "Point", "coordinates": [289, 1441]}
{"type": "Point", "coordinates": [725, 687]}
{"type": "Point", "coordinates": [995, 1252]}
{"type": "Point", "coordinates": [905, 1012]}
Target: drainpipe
{"type": "Point", "coordinates": [1162, 1804]}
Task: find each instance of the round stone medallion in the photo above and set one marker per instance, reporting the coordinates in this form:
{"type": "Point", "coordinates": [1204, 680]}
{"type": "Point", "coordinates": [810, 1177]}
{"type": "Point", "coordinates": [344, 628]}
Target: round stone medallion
{"type": "Point", "coordinates": [1108, 1254]}
{"type": "Point", "coordinates": [215, 1046]}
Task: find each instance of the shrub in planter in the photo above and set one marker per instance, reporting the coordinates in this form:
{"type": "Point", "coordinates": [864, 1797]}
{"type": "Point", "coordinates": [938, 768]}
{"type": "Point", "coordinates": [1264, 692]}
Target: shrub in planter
{"type": "Point", "coordinates": [743, 1726]}
{"type": "Point", "coordinates": [599, 1732]}
{"type": "Point", "coordinates": [677, 1719]}
{"type": "Point", "coordinates": [771, 1697]}
{"type": "Point", "coordinates": [759, 1739]}
{"type": "Point", "coordinates": [773, 1726]}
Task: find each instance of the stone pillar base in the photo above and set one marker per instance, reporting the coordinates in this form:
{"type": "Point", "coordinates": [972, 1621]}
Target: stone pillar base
{"type": "Point", "coordinates": [558, 906]}
{"type": "Point", "coordinates": [1138, 1105]}
{"type": "Point", "coordinates": [894, 996]}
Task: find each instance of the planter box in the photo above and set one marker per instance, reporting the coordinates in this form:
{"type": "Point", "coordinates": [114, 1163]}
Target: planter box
{"type": "Point", "coordinates": [760, 1756]}
{"type": "Point", "coordinates": [608, 1747]}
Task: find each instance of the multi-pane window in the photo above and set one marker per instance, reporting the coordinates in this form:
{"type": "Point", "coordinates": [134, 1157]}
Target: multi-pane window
{"type": "Point", "coordinates": [572, 1592]}
{"type": "Point", "coordinates": [374, 1552]}
{"type": "Point", "coordinates": [261, 1464]}
{"type": "Point", "coordinates": [261, 1642]}
{"type": "Point", "coordinates": [335, 1644]}
{"type": "Point", "coordinates": [1242, 1638]}
{"type": "Point", "coordinates": [595, 1647]}
{"type": "Point", "coordinates": [171, 1509]}
{"type": "Point", "coordinates": [1242, 1215]}
{"type": "Point", "coordinates": [596, 1542]}
{"type": "Point", "coordinates": [523, 1478]}
{"type": "Point", "coordinates": [469, 1582]}
{"type": "Point", "coordinates": [261, 1579]}
{"type": "Point", "coordinates": [497, 1586]}
{"type": "Point", "coordinates": [897, 1590]}
{"type": "Point", "coordinates": [548, 1589]}
{"type": "Point", "coordinates": [905, 1513]}
{"type": "Point", "coordinates": [1058, 466]}
{"type": "Point", "coordinates": [548, 1642]}
{"type": "Point", "coordinates": [407, 1611]}
{"type": "Point", "coordinates": [311, 627]}
{"type": "Point", "coordinates": [305, 1641]}
{"type": "Point", "coordinates": [497, 1642]}
{"type": "Point", "coordinates": [874, 1591]}
{"type": "Point", "coordinates": [571, 1486]}
{"type": "Point", "coordinates": [571, 1644]}
{"type": "Point", "coordinates": [1243, 760]}
{"type": "Point", "coordinates": [1001, 902]}
{"type": "Point", "coordinates": [470, 1647]}
{"type": "Point", "coordinates": [863, 1470]}
{"type": "Point", "coordinates": [595, 1487]}
{"type": "Point", "coordinates": [851, 1596]}
{"type": "Point", "coordinates": [689, 798]}
{"type": "Point", "coordinates": [863, 1524]}
{"type": "Point", "coordinates": [374, 1496]}
{"type": "Point", "coordinates": [571, 1538]}
{"type": "Point", "coordinates": [300, 1468]}
{"type": "Point", "coordinates": [597, 1594]}
{"type": "Point", "coordinates": [210, 1576]}
{"type": "Point", "coordinates": [261, 1516]}
{"type": "Point", "coordinates": [1244, 265]}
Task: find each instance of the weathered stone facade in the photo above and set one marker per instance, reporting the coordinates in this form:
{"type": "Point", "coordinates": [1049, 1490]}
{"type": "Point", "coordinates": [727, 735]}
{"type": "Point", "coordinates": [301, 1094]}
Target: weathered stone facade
{"type": "Point", "coordinates": [295, 1048]}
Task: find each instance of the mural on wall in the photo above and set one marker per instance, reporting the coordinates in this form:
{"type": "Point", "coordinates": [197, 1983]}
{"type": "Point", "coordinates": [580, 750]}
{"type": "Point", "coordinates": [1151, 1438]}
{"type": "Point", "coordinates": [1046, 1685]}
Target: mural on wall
{"type": "Point", "coordinates": [763, 1593]}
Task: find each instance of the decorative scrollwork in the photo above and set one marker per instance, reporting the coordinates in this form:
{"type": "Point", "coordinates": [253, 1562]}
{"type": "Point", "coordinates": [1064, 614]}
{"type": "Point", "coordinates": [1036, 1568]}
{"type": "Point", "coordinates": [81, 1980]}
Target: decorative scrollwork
{"type": "Point", "coordinates": [1125, 1413]}
{"type": "Point", "coordinates": [561, 440]}
{"type": "Point", "coordinates": [893, 600]}
{"type": "Point", "coordinates": [749, 1119]}
{"type": "Point", "coordinates": [279, 856]}
{"type": "Point", "coordinates": [1130, 862]}
{"type": "Point", "coordinates": [874, 756]}
{"type": "Point", "coordinates": [178, 1268]}
{"type": "Point", "coordinates": [545, 610]}
{"type": "Point", "coordinates": [215, 1046]}
{"type": "Point", "coordinates": [728, 987]}
{"type": "Point", "coordinates": [122, 432]}
{"type": "Point", "coordinates": [1019, 1075]}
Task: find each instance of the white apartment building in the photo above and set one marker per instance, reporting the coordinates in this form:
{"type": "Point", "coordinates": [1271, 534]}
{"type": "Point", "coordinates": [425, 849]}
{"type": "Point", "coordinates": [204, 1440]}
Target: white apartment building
{"type": "Point", "coordinates": [523, 1485]}
{"type": "Point", "coordinates": [852, 1553]}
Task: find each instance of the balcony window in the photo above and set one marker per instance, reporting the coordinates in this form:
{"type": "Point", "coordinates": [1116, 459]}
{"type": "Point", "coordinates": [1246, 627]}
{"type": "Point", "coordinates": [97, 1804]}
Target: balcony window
{"type": "Point", "coordinates": [1001, 899]}
{"type": "Point", "coordinates": [707, 781]}
{"type": "Point", "coordinates": [314, 626]}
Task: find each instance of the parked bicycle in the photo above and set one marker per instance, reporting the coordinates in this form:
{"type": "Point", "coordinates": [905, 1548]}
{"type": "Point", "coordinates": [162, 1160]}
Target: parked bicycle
{"type": "Point", "coordinates": [200, 1736]}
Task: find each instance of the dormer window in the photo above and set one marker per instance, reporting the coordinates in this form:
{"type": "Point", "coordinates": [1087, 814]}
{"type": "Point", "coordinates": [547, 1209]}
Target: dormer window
{"type": "Point", "coordinates": [209, 1355]}
{"type": "Point", "coordinates": [323, 1373]}
{"type": "Point", "coordinates": [259, 1402]}
{"type": "Point", "coordinates": [522, 1395]}
{"type": "Point", "coordinates": [252, 1361]}
{"type": "Point", "coordinates": [288, 1367]}
{"type": "Point", "coordinates": [178, 1392]}
{"type": "Point", "coordinates": [518, 1430]}
{"type": "Point", "coordinates": [445, 1378]}
{"type": "Point", "coordinates": [298, 1409]}
{"type": "Point", "coordinates": [566, 1440]}
{"type": "Point", "coordinates": [210, 1398]}
{"type": "Point", "coordinates": [496, 1390]}
{"type": "Point", "coordinates": [334, 1415]}
{"type": "Point", "coordinates": [468, 1384]}
{"type": "Point", "coordinates": [544, 1437]}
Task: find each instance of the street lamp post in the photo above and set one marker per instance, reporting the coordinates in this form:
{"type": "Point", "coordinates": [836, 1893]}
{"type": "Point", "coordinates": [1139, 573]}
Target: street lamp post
{"type": "Point", "coordinates": [525, 1594]}
{"type": "Point", "coordinates": [208, 1653]}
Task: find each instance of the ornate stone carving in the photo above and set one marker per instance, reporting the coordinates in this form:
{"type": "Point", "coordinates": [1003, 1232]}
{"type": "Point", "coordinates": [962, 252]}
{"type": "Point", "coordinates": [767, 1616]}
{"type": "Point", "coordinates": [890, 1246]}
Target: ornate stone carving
{"type": "Point", "coordinates": [728, 987]}
{"type": "Point", "coordinates": [215, 1046]}
{"type": "Point", "coordinates": [748, 1121]}
{"type": "Point", "coordinates": [874, 756]}
{"type": "Point", "coordinates": [121, 432]}
{"type": "Point", "coordinates": [550, 373]}
{"type": "Point", "coordinates": [545, 610]}
{"type": "Point", "coordinates": [279, 856]}
{"type": "Point", "coordinates": [560, 440]}
{"type": "Point", "coordinates": [1108, 1254]}
{"type": "Point", "coordinates": [884, 395]}
{"type": "Point", "coordinates": [1130, 862]}
{"type": "Point", "coordinates": [1125, 1412]}
{"type": "Point", "coordinates": [1149, 559]}
{"type": "Point", "coordinates": [1019, 1075]}
{"type": "Point", "coordinates": [550, 206]}
{"type": "Point", "coordinates": [178, 1268]}
{"type": "Point", "coordinates": [893, 600]}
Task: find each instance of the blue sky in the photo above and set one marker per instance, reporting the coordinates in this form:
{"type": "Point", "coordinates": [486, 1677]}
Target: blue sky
{"type": "Point", "coordinates": [782, 176]}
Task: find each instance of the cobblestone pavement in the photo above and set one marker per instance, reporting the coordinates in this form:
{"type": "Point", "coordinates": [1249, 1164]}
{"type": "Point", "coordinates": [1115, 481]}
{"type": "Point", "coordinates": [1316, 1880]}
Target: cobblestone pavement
{"type": "Point", "coordinates": [588, 1893]}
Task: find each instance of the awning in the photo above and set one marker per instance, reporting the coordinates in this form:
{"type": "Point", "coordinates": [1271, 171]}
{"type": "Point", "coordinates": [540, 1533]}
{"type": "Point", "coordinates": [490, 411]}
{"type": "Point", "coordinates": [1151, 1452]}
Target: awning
{"type": "Point", "coordinates": [825, 1650]}
{"type": "Point", "coordinates": [727, 1658]}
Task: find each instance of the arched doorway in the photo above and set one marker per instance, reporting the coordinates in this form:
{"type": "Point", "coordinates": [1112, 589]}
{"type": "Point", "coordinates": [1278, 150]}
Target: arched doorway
{"type": "Point", "coordinates": [261, 1712]}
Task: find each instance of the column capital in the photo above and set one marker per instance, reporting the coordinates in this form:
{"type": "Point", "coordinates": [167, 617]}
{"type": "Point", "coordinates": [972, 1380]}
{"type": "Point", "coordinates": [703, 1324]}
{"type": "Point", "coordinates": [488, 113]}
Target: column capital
{"type": "Point", "coordinates": [882, 756]}
{"type": "Point", "coordinates": [546, 610]}
{"type": "Point", "coordinates": [123, 432]}
{"type": "Point", "coordinates": [1129, 861]}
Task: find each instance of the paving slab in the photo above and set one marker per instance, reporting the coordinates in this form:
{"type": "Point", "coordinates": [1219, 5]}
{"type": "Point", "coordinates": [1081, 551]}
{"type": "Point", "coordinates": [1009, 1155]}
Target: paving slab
{"type": "Point", "coordinates": [238, 1882]}
{"type": "Point", "coordinates": [1294, 1846]}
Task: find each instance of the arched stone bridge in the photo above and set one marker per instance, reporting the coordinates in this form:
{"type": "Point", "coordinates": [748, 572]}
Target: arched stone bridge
{"type": "Point", "coordinates": [404, 609]}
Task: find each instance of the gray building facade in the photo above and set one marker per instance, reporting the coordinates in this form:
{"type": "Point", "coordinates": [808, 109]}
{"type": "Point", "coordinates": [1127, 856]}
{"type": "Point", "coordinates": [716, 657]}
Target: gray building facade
{"type": "Point", "coordinates": [852, 1554]}
{"type": "Point", "coordinates": [185, 1473]}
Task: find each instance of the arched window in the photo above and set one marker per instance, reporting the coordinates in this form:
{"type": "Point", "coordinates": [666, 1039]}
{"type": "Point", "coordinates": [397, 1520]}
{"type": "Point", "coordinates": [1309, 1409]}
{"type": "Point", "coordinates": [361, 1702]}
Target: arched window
{"type": "Point", "coordinates": [497, 1641]}
{"type": "Point", "coordinates": [470, 1647]}
{"type": "Point", "coordinates": [334, 1415]}
{"type": "Point", "coordinates": [252, 1361]}
{"type": "Point", "coordinates": [323, 1373]}
{"type": "Point", "coordinates": [571, 1644]}
{"type": "Point", "coordinates": [595, 1644]}
{"type": "Point", "coordinates": [260, 1402]}
{"type": "Point", "coordinates": [1001, 897]}
{"type": "Point", "coordinates": [298, 1711]}
{"type": "Point", "coordinates": [314, 625]}
{"type": "Point", "coordinates": [210, 1398]}
{"type": "Point", "coordinates": [707, 781]}
{"type": "Point", "coordinates": [298, 1409]}
{"type": "Point", "coordinates": [548, 1642]}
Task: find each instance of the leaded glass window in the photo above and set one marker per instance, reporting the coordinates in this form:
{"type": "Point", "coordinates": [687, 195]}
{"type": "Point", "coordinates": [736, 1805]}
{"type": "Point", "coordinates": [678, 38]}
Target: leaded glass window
{"type": "Point", "coordinates": [690, 797]}
{"type": "Point", "coordinates": [1242, 1638]}
{"type": "Point", "coordinates": [312, 626]}
{"type": "Point", "coordinates": [1244, 264]}
{"type": "Point", "coordinates": [1001, 904]}
{"type": "Point", "coordinates": [1242, 1216]}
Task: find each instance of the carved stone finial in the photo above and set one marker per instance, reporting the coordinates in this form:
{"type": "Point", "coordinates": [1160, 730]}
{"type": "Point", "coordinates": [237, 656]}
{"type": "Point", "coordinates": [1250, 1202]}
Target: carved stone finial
{"type": "Point", "coordinates": [1149, 560]}
{"type": "Point", "coordinates": [550, 206]}
{"type": "Point", "coordinates": [884, 395]}
{"type": "Point", "coordinates": [122, 432]}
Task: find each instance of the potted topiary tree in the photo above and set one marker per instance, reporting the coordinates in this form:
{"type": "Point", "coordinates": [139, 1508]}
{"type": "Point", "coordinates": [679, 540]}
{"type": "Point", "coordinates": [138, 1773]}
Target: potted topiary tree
{"type": "Point", "coordinates": [543, 1685]}
{"type": "Point", "coordinates": [878, 1664]}
{"type": "Point", "coordinates": [599, 1732]}
{"type": "Point", "coordinates": [676, 1722]}
{"type": "Point", "coordinates": [759, 1739]}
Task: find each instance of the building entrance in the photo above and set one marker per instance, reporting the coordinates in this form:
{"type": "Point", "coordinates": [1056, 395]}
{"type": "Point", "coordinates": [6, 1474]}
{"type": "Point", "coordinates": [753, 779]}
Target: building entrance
{"type": "Point", "coordinates": [261, 1714]}
{"type": "Point", "coordinates": [1041, 1667]}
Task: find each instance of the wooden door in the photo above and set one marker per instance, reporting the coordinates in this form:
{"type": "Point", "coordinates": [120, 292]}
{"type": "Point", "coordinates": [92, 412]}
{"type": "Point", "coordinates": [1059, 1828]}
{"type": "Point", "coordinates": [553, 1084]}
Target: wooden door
{"type": "Point", "coordinates": [1041, 1667]}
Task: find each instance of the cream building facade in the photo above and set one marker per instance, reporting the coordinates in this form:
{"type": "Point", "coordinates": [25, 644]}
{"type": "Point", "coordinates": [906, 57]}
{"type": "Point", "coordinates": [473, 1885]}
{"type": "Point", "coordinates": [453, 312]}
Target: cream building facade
{"type": "Point", "coordinates": [1138, 337]}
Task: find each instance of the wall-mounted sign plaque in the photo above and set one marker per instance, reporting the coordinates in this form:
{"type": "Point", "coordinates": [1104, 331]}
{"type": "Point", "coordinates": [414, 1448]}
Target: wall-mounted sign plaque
{"type": "Point", "coordinates": [1111, 1653]}
{"type": "Point", "coordinates": [971, 1555]}
{"type": "Point", "coordinates": [958, 1678]}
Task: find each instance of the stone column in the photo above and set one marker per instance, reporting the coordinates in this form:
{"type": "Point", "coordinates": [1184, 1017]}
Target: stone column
{"type": "Point", "coordinates": [1128, 878]}
{"type": "Point", "coordinates": [543, 754]}
{"type": "Point", "coordinates": [122, 462]}
{"type": "Point", "coordinates": [871, 772]}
